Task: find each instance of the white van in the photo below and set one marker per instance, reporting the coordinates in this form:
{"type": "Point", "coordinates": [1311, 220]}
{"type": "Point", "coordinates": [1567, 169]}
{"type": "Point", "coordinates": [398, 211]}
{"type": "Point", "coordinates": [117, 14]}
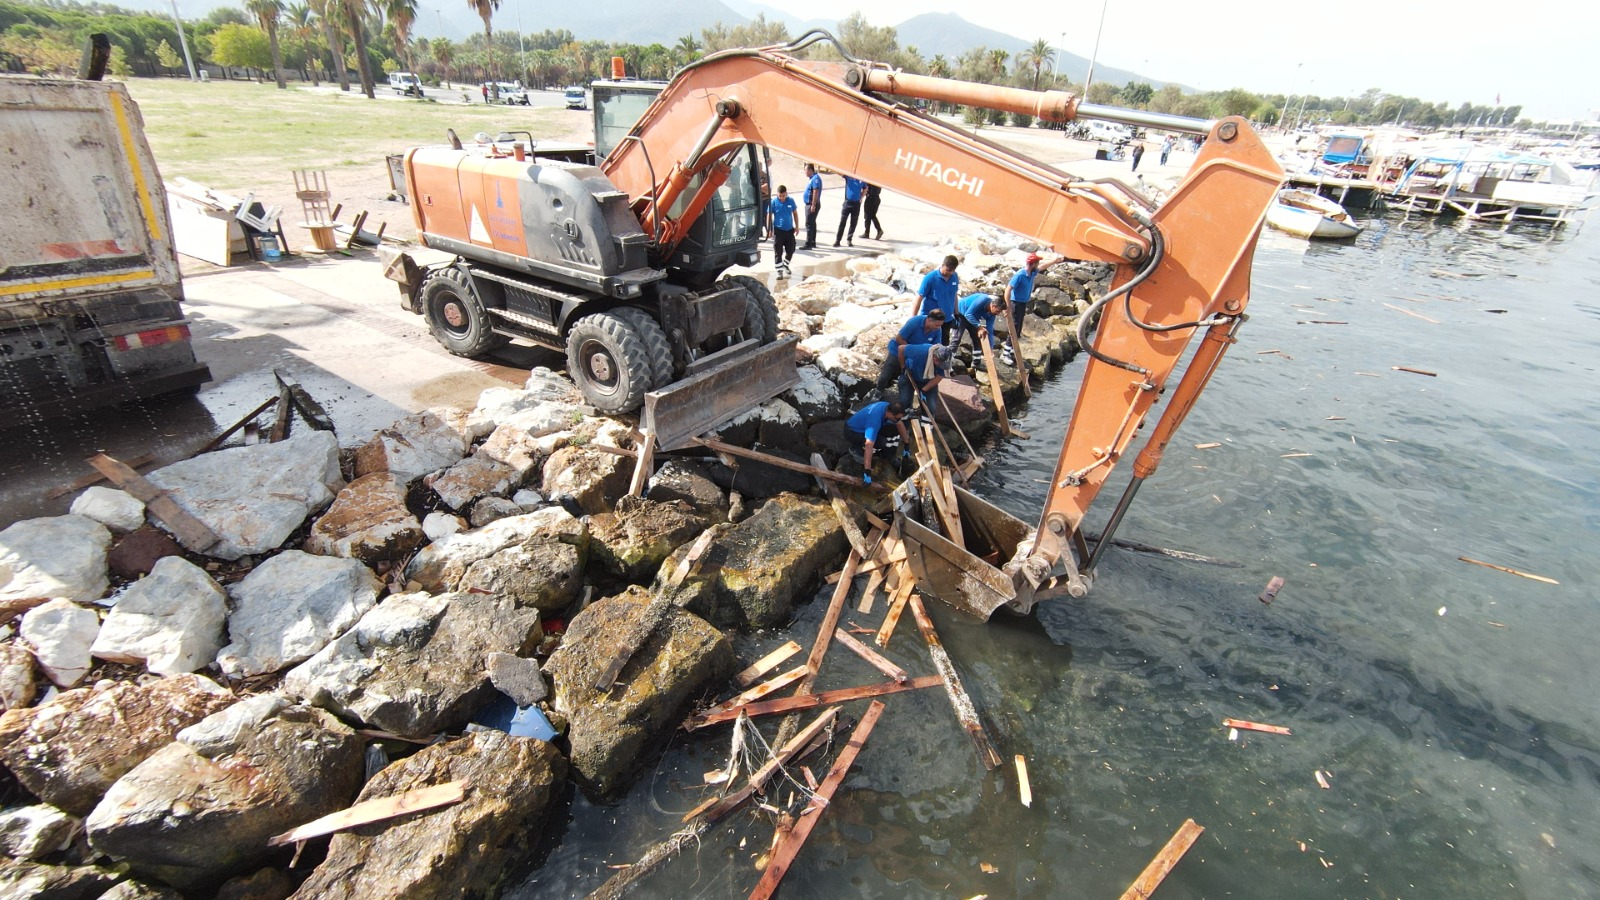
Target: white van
{"type": "Point", "coordinates": [406, 83]}
{"type": "Point", "coordinates": [576, 99]}
{"type": "Point", "coordinates": [1107, 131]}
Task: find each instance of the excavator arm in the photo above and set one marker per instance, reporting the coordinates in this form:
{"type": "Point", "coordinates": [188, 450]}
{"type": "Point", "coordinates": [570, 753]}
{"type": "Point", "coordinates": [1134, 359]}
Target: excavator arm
{"type": "Point", "coordinates": [1181, 269]}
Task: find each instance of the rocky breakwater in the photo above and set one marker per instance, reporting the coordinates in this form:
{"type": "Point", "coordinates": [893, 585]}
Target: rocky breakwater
{"type": "Point", "coordinates": [367, 616]}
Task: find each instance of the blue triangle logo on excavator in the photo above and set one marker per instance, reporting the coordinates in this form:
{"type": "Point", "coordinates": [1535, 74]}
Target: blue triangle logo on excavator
{"type": "Point", "coordinates": [499, 203]}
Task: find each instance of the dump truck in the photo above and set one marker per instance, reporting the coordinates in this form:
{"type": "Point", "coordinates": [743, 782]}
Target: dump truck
{"type": "Point", "coordinates": [90, 293]}
{"type": "Point", "coordinates": [623, 263]}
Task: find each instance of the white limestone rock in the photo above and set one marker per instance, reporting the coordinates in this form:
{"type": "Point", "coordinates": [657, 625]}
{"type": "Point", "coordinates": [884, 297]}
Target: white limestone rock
{"type": "Point", "coordinates": [853, 319]}
{"type": "Point", "coordinates": [253, 498]}
{"type": "Point", "coordinates": [110, 507]}
{"type": "Point", "coordinates": [172, 620]}
{"type": "Point", "coordinates": [815, 397]}
{"type": "Point", "coordinates": [60, 634]}
{"type": "Point", "coordinates": [440, 525]}
{"type": "Point", "coordinates": [58, 556]}
{"type": "Point", "coordinates": [419, 444]}
{"type": "Point", "coordinates": [819, 344]}
{"type": "Point", "coordinates": [34, 832]}
{"type": "Point", "coordinates": [290, 607]}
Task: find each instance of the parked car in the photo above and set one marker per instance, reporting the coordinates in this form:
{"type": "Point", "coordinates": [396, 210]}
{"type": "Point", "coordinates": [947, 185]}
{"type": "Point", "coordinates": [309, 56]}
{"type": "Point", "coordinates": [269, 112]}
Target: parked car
{"type": "Point", "coordinates": [510, 92]}
{"type": "Point", "coordinates": [577, 98]}
{"type": "Point", "coordinates": [406, 83]}
{"type": "Point", "coordinates": [1096, 130]}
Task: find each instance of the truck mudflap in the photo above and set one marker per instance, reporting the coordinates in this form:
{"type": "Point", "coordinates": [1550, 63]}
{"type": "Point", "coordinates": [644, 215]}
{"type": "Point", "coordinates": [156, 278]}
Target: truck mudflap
{"type": "Point", "coordinates": [718, 388]}
{"type": "Point", "coordinates": [980, 577]}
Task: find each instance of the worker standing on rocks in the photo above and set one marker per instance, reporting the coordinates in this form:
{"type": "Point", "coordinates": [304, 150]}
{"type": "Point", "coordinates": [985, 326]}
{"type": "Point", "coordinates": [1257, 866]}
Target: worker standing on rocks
{"type": "Point", "coordinates": [938, 291]}
{"type": "Point", "coordinates": [868, 431]}
{"type": "Point", "coordinates": [975, 315]}
{"type": "Point", "coordinates": [1019, 291]}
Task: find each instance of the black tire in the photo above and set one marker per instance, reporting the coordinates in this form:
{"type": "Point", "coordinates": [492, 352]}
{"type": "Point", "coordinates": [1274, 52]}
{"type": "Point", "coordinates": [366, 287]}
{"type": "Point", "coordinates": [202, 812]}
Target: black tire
{"type": "Point", "coordinates": [608, 362]}
{"type": "Point", "coordinates": [656, 347]}
{"type": "Point", "coordinates": [768, 304]}
{"type": "Point", "coordinates": [456, 315]}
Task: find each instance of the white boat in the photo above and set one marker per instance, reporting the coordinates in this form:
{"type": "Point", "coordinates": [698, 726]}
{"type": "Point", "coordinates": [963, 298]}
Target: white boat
{"type": "Point", "coordinates": [1307, 215]}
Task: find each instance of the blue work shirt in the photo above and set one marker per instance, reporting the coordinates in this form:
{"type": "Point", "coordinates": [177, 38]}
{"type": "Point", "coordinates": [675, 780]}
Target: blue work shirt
{"type": "Point", "coordinates": [939, 292]}
{"type": "Point", "coordinates": [915, 331]}
{"type": "Point", "coordinates": [852, 189]}
{"type": "Point", "coordinates": [783, 212]}
{"type": "Point", "coordinates": [814, 190]}
{"type": "Point", "coordinates": [871, 420]}
{"type": "Point", "coordinates": [921, 365]}
{"type": "Point", "coordinates": [1022, 285]}
{"type": "Point", "coordinates": [975, 309]}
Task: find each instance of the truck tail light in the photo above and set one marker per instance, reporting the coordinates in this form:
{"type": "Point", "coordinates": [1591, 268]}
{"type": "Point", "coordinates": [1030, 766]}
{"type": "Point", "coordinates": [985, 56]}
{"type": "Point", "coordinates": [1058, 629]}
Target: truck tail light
{"type": "Point", "coordinates": [152, 338]}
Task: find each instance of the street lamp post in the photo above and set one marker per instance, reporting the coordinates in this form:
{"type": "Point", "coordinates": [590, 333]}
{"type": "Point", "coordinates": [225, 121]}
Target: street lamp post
{"type": "Point", "coordinates": [1058, 56]}
{"type": "Point", "coordinates": [1089, 79]}
{"type": "Point", "coordinates": [183, 42]}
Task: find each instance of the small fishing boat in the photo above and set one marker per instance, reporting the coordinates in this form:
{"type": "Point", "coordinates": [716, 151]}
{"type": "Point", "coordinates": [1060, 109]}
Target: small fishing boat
{"type": "Point", "coordinates": [1307, 215]}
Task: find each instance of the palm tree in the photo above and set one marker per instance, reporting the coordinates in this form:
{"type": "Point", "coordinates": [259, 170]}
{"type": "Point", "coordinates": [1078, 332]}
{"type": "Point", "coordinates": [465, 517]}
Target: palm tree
{"type": "Point", "coordinates": [402, 15]}
{"type": "Point", "coordinates": [939, 66]}
{"type": "Point", "coordinates": [355, 12]}
{"type": "Point", "coordinates": [688, 49]}
{"type": "Point", "coordinates": [328, 13]}
{"type": "Point", "coordinates": [303, 24]}
{"type": "Point", "coordinates": [266, 13]}
{"type": "Point", "coordinates": [997, 61]}
{"type": "Point", "coordinates": [444, 53]}
{"type": "Point", "coordinates": [1037, 57]}
{"type": "Point", "coordinates": [486, 10]}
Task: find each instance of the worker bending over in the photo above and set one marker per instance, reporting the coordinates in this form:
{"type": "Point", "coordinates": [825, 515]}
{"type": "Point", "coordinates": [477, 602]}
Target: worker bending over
{"type": "Point", "coordinates": [926, 365]}
{"type": "Point", "coordinates": [917, 330]}
{"type": "Point", "coordinates": [975, 316]}
{"type": "Point", "coordinates": [869, 433]}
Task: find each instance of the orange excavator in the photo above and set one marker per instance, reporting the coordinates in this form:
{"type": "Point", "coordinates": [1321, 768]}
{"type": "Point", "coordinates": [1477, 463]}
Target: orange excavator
{"type": "Point", "coordinates": [623, 264]}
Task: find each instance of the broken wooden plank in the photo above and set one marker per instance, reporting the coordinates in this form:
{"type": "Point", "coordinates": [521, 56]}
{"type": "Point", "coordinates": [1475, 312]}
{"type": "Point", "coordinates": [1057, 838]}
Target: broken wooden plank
{"type": "Point", "coordinates": [1157, 870]}
{"type": "Point", "coordinates": [758, 779]}
{"type": "Point", "coordinates": [92, 479]}
{"type": "Point", "coordinates": [285, 415]}
{"type": "Point", "coordinates": [614, 451]}
{"type": "Point", "coordinates": [644, 465]}
{"type": "Point", "coordinates": [750, 696]}
{"type": "Point", "coordinates": [1244, 725]}
{"type": "Point", "coordinates": [1271, 592]}
{"type": "Point", "coordinates": [1410, 313]}
{"type": "Point", "coordinates": [369, 811]}
{"type": "Point", "coordinates": [304, 403]}
{"type": "Point", "coordinates": [824, 698]}
{"type": "Point", "coordinates": [1209, 445]}
{"type": "Point", "coordinates": [789, 846]}
{"type": "Point", "coordinates": [191, 531]}
{"type": "Point", "coordinates": [766, 664]}
{"type": "Point", "coordinates": [830, 621]}
{"type": "Point", "coordinates": [1024, 789]}
{"type": "Point", "coordinates": [1509, 571]}
{"type": "Point", "coordinates": [966, 712]}
{"type": "Point", "coordinates": [995, 388]}
{"type": "Point", "coordinates": [1415, 371]}
{"type": "Point", "coordinates": [897, 605]}
{"type": "Point", "coordinates": [248, 418]}
{"type": "Point", "coordinates": [791, 465]}
{"type": "Point", "coordinates": [863, 569]}
{"type": "Point", "coordinates": [872, 657]}
{"type": "Point", "coordinates": [871, 591]}
{"type": "Point", "coordinates": [841, 510]}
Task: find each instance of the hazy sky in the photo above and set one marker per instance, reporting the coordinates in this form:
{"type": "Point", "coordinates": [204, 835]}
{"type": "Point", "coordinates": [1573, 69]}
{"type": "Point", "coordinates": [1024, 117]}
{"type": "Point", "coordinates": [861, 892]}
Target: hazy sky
{"type": "Point", "coordinates": [1541, 55]}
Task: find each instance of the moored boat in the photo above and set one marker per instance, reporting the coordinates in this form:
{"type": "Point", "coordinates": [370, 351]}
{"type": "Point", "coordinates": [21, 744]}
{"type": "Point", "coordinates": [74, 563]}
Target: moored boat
{"type": "Point", "coordinates": [1307, 215]}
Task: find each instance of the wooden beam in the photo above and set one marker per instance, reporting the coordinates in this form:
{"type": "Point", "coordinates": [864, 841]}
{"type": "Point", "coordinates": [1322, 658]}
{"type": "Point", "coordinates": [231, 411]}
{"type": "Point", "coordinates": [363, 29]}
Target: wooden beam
{"type": "Point", "coordinates": [304, 403]}
{"type": "Point", "coordinates": [873, 583]}
{"type": "Point", "coordinates": [825, 698]}
{"type": "Point", "coordinates": [896, 606]}
{"type": "Point", "coordinates": [966, 712]}
{"type": "Point", "coordinates": [841, 510]}
{"type": "Point", "coordinates": [193, 532]}
{"type": "Point", "coordinates": [791, 465]}
{"type": "Point", "coordinates": [872, 657]}
{"type": "Point", "coordinates": [644, 466]}
{"type": "Point", "coordinates": [369, 811]}
{"type": "Point", "coordinates": [830, 621]}
{"type": "Point", "coordinates": [996, 388]}
{"type": "Point", "coordinates": [1256, 726]}
{"type": "Point", "coordinates": [1157, 870]}
{"type": "Point", "coordinates": [748, 697]}
{"type": "Point", "coordinates": [766, 664]}
{"type": "Point", "coordinates": [94, 478]}
{"type": "Point", "coordinates": [789, 847]}
{"type": "Point", "coordinates": [285, 414]}
{"type": "Point", "coordinates": [249, 417]}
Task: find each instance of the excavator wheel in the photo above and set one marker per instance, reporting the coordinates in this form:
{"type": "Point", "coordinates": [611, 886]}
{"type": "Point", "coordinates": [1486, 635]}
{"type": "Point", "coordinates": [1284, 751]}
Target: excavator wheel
{"type": "Point", "coordinates": [755, 320]}
{"type": "Point", "coordinates": [764, 299]}
{"type": "Point", "coordinates": [656, 346]}
{"type": "Point", "coordinates": [608, 362]}
{"type": "Point", "coordinates": [457, 316]}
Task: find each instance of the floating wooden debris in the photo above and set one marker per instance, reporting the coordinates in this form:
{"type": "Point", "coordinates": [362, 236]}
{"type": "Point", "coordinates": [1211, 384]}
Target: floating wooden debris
{"type": "Point", "coordinates": [1024, 790]}
{"type": "Point", "coordinates": [966, 712]}
{"type": "Point", "coordinates": [1256, 726]}
{"type": "Point", "coordinates": [1320, 322]}
{"type": "Point", "coordinates": [1415, 371]}
{"type": "Point", "coordinates": [1157, 870]}
{"type": "Point", "coordinates": [824, 698]}
{"type": "Point", "coordinates": [369, 811]}
{"type": "Point", "coordinates": [1369, 374]}
{"type": "Point", "coordinates": [1410, 313]}
{"type": "Point", "coordinates": [1334, 419]}
{"type": "Point", "coordinates": [1292, 455]}
{"type": "Point", "coordinates": [1210, 445]}
{"type": "Point", "coordinates": [1322, 780]}
{"type": "Point", "coordinates": [1509, 571]}
{"type": "Point", "coordinates": [1271, 592]}
{"type": "Point", "coordinates": [871, 656]}
{"type": "Point", "coordinates": [766, 664]}
{"type": "Point", "coordinates": [789, 844]}
{"type": "Point", "coordinates": [752, 695]}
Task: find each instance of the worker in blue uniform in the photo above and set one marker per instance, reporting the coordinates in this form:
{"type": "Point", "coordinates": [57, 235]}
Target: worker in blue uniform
{"type": "Point", "coordinates": [917, 330]}
{"type": "Point", "coordinates": [975, 315]}
{"type": "Point", "coordinates": [938, 291]}
{"type": "Point", "coordinates": [870, 434]}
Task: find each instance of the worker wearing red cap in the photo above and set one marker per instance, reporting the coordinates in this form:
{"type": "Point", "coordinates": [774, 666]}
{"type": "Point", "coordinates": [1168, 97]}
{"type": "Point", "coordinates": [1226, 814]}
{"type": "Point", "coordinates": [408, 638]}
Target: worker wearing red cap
{"type": "Point", "coordinates": [1018, 292]}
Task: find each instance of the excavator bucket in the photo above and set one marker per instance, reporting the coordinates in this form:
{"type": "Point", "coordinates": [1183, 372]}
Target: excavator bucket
{"type": "Point", "coordinates": [718, 388]}
{"type": "Point", "coordinates": [965, 576]}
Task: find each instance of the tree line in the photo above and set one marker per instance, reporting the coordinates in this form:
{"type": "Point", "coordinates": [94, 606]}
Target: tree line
{"type": "Point", "coordinates": [334, 39]}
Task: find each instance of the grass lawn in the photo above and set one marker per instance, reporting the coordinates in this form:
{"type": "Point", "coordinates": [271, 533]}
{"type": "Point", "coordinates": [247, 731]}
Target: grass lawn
{"type": "Point", "coordinates": [233, 134]}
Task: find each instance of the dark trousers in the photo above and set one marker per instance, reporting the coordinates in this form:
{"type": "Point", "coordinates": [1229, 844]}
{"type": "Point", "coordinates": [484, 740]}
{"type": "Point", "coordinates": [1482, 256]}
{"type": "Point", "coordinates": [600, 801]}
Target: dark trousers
{"type": "Point", "coordinates": [888, 372]}
{"type": "Point", "coordinates": [848, 213]}
{"type": "Point", "coordinates": [869, 211]}
{"type": "Point", "coordinates": [812, 215]}
{"type": "Point", "coordinates": [910, 389]}
{"type": "Point", "coordinates": [964, 328]}
{"type": "Point", "coordinates": [887, 446]}
{"type": "Point", "coordinates": [1019, 315]}
{"type": "Point", "coordinates": [782, 245]}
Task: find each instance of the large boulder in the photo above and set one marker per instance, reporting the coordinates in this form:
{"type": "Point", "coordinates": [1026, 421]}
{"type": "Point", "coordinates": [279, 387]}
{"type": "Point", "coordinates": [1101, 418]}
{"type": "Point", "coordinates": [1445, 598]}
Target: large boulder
{"type": "Point", "coordinates": [543, 573]}
{"type": "Point", "coordinates": [471, 478]}
{"type": "Point", "coordinates": [115, 509]}
{"type": "Point", "coordinates": [462, 850]}
{"type": "Point", "coordinates": [290, 607]}
{"type": "Point", "coordinates": [59, 556]}
{"type": "Point", "coordinates": [203, 807]}
{"type": "Point", "coordinates": [593, 479]}
{"type": "Point", "coordinates": [489, 510]}
{"type": "Point", "coordinates": [754, 572]}
{"type": "Point", "coordinates": [772, 424]}
{"type": "Point", "coordinates": [42, 882]}
{"type": "Point", "coordinates": [854, 372]}
{"type": "Point", "coordinates": [173, 620]}
{"type": "Point", "coordinates": [254, 497]}
{"type": "Point", "coordinates": [515, 447]}
{"type": "Point", "coordinates": [70, 750]}
{"type": "Point", "coordinates": [632, 542]}
{"type": "Point", "coordinates": [757, 480]}
{"type": "Point", "coordinates": [34, 832]}
{"type": "Point", "coordinates": [815, 397]}
{"type": "Point", "coordinates": [819, 293]}
{"type": "Point", "coordinates": [442, 565]}
{"type": "Point", "coordinates": [418, 444]}
{"type": "Point", "coordinates": [689, 481]}
{"type": "Point", "coordinates": [610, 731]}
{"type": "Point", "coordinates": [18, 687]}
{"type": "Point", "coordinates": [416, 665]}
{"type": "Point", "coordinates": [60, 634]}
{"type": "Point", "coordinates": [369, 521]}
